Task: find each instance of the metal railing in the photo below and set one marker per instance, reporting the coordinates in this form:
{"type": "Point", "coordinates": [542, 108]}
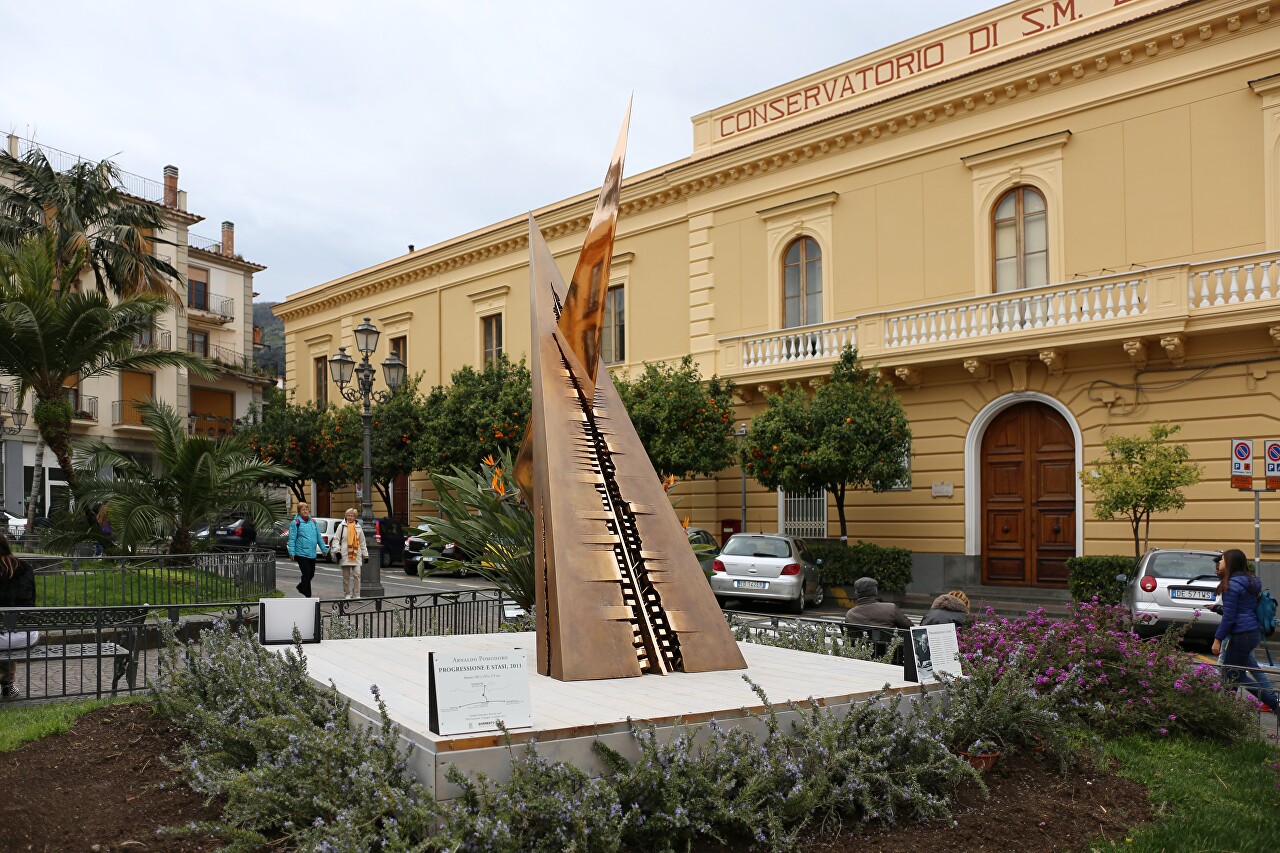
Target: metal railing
{"type": "Point", "coordinates": [231, 358]}
{"type": "Point", "coordinates": [186, 579]}
{"type": "Point", "coordinates": [199, 423]}
{"type": "Point", "coordinates": [91, 651]}
{"type": "Point", "coordinates": [205, 244]}
{"type": "Point", "coordinates": [427, 615]}
{"type": "Point", "coordinates": [822, 636]}
{"type": "Point", "coordinates": [160, 339]}
{"type": "Point", "coordinates": [61, 161]}
{"type": "Point", "coordinates": [126, 413]}
{"type": "Point", "coordinates": [83, 406]}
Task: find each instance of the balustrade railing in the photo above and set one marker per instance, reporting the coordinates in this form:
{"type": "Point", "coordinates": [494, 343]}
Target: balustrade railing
{"type": "Point", "coordinates": [1091, 301]}
{"type": "Point", "coordinates": [1242, 280]}
{"type": "Point", "coordinates": [804, 343]}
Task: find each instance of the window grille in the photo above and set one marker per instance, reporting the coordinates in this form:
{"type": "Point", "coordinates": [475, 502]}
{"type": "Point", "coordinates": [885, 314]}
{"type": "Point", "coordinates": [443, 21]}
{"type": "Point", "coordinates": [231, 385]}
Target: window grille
{"type": "Point", "coordinates": [804, 514]}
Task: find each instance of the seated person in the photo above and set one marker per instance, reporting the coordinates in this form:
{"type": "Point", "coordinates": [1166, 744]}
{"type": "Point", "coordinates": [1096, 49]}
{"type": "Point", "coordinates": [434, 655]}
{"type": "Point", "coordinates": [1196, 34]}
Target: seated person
{"type": "Point", "coordinates": [870, 610]}
{"type": "Point", "coordinates": [949, 607]}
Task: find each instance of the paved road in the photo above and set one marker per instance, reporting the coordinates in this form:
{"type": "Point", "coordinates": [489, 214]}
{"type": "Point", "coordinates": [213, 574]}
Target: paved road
{"type": "Point", "coordinates": [328, 581]}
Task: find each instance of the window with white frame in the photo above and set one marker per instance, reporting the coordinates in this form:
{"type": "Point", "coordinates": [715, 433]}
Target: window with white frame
{"type": "Point", "coordinates": [1020, 240]}
{"type": "Point", "coordinates": [804, 514]}
{"type": "Point", "coordinates": [613, 335]}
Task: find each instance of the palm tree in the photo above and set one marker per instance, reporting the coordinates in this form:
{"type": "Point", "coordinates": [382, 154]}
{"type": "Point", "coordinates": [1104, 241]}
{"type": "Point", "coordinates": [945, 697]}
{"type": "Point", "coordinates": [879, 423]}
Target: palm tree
{"type": "Point", "coordinates": [88, 213]}
{"type": "Point", "coordinates": [200, 479]}
{"type": "Point", "coordinates": [51, 333]}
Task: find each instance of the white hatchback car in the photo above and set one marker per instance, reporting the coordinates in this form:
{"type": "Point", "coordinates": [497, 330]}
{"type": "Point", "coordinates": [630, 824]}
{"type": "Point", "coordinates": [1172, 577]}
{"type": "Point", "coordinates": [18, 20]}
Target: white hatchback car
{"type": "Point", "coordinates": [1172, 588]}
{"type": "Point", "coordinates": [767, 567]}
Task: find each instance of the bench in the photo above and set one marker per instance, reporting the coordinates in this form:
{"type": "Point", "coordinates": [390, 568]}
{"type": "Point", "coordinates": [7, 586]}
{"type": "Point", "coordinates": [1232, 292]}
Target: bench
{"type": "Point", "coordinates": [880, 639]}
{"type": "Point", "coordinates": [116, 633]}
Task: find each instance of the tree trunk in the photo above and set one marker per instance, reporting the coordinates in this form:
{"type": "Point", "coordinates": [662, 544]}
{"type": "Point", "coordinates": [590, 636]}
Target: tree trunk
{"type": "Point", "coordinates": [53, 419]}
{"type": "Point", "coordinates": [838, 493]}
{"type": "Point", "coordinates": [296, 487]}
{"type": "Point", "coordinates": [384, 492]}
{"type": "Point", "coordinates": [1136, 522]}
{"type": "Point", "coordinates": [181, 541]}
{"type": "Point", "coordinates": [37, 486]}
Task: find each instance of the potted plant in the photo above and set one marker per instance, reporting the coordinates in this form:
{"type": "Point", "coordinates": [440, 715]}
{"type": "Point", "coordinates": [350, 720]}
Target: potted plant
{"type": "Point", "coordinates": [981, 754]}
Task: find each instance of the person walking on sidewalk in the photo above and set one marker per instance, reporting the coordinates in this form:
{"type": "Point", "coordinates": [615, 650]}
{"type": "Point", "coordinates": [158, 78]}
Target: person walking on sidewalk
{"type": "Point", "coordinates": [1240, 589]}
{"type": "Point", "coordinates": [305, 545]}
{"type": "Point", "coordinates": [17, 589]}
{"type": "Point", "coordinates": [348, 544]}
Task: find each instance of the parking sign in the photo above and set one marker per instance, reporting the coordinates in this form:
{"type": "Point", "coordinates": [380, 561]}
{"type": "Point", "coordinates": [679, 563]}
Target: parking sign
{"type": "Point", "coordinates": [1241, 463]}
{"type": "Point", "coordinates": [1271, 450]}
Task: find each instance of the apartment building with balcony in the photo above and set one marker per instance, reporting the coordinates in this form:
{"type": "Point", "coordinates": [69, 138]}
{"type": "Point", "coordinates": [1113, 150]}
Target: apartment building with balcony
{"type": "Point", "coordinates": [214, 318]}
{"type": "Point", "coordinates": [1044, 225]}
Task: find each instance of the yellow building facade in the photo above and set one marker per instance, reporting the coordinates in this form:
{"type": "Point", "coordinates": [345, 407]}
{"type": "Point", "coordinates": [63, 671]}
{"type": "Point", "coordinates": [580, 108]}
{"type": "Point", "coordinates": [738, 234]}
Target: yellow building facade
{"type": "Point", "coordinates": [1045, 224]}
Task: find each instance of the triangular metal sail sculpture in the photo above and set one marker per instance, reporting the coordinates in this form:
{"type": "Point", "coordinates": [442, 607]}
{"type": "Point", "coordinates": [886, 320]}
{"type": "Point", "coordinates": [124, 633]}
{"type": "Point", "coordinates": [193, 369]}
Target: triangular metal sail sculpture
{"type": "Point", "coordinates": [619, 592]}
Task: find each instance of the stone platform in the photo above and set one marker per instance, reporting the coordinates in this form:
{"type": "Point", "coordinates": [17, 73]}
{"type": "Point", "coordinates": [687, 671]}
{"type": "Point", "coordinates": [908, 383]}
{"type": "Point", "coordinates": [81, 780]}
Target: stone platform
{"type": "Point", "coordinates": [569, 716]}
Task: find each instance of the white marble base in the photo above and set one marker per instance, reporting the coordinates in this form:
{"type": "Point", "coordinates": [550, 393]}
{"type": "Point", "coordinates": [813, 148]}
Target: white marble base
{"type": "Point", "coordinates": [569, 715]}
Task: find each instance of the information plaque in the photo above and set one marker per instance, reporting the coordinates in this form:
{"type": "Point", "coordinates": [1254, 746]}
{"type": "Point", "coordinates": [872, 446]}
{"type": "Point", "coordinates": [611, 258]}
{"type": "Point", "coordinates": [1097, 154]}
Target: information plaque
{"type": "Point", "coordinates": [471, 692]}
{"type": "Point", "coordinates": [932, 651]}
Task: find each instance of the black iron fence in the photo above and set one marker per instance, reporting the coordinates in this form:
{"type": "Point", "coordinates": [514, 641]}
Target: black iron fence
{"type": "Point", "coordinates": [185, 579]}
{"type": "Point", "coordinates": [65, 652]}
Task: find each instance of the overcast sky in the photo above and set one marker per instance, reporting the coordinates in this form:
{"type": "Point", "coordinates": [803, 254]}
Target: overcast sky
{"type": "Point", "coordinates": [334, 134]}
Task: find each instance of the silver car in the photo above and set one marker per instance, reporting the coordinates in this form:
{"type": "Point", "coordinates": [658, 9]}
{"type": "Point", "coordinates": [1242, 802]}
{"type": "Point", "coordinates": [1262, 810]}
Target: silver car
{"type": "Point", "coordinates": [1172, 588]}
{"type": "Point", "coordinates": [768, 567]}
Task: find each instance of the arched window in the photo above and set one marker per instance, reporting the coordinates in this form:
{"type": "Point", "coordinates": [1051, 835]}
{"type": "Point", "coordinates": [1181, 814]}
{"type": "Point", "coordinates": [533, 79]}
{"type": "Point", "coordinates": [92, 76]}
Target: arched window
{"type": "Point", "coordinates": [802, 283]}
{"type": "Point", "coordinates": [1020, 228]}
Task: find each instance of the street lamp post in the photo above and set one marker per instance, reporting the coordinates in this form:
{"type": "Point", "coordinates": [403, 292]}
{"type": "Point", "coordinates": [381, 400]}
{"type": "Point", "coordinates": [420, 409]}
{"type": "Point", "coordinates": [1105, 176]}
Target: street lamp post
{"type": "Point", "coordinates": [741, 433]}
{"type": "Point", "coordinates": [341, 368]}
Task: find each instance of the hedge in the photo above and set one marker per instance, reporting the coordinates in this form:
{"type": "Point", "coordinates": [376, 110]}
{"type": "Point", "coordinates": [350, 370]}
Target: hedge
{"type": "Point", "coordinates": [842, 565]}
{"type": "Point", "coordinates": [1096, 576]}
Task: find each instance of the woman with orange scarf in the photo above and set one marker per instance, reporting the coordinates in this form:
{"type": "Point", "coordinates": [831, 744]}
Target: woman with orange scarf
{"type": "Point", "coordinates": [348, 543]}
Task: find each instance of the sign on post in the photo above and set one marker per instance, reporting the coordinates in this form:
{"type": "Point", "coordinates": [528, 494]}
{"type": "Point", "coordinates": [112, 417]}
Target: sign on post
{"type": "Point", "coordinates": [1271, 449]}
{"type": "Point", "coordinates": [1242, 463]}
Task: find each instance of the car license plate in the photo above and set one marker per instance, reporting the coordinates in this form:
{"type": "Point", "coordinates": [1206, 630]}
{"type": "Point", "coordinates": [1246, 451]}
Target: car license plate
{"type": "Point", "coordinates": [1196, 594]}
{"type": "Point", "coordinates": [750, 585]}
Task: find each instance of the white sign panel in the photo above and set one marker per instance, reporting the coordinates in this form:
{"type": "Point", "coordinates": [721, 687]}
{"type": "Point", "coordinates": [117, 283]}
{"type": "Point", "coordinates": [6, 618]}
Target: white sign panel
{"type": "Point", "coordinates": [1241, 463]}
{"type": "Point", "coordinates": [936, 652]}
{"type": "Point", "coordinates": [1271, 451]}
{"type": "Point", "coordinates": [471, 691]}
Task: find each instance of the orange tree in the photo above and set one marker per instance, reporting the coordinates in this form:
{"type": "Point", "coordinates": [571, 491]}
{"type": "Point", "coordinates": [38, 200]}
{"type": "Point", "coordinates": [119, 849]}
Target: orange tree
{"type": "Point", "coordinates": [480, 413]}
{"type": "Point", "coordinates": [685, 424]}
{"type": "Point", "coordinates": [301, 438]}
{"type": "Point", "coordinates": [852, 434]}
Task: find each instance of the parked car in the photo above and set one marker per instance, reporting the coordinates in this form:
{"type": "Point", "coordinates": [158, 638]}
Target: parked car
{"type": "Point", "coordinates": [767, 567]}
{"type": "Point", "coordinates": [415, 544]}
{"type": "Point", "coordinates": [277, 538]}
{"type": "Point", "coordinates": [1174, 587]}
{"type": "Point", "coordinates": [327, 528]}
{"type": "Point", "coordinates": [709, 551]}
{"type": "Point", "coordinates": [234, 530]}
{"type": "Point", "coordinates": [14, 526]}
{"type": "Point", "coordinates": [390, 534]}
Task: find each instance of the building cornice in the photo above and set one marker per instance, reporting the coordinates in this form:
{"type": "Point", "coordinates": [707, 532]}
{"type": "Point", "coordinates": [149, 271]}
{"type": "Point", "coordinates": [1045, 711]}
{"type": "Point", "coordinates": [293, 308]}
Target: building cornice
{"type": "Point", "coordinates": [1126, 46]}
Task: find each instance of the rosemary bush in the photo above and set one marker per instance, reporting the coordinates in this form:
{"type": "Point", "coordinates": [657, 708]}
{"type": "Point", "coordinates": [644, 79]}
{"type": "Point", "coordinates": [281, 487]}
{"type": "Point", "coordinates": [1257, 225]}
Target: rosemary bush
{"type": "Point", "coordinates": [293, 773]}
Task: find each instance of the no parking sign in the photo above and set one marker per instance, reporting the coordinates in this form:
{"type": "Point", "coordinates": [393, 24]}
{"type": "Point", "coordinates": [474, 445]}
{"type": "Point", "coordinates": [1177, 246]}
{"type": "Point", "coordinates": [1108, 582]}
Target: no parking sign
{"type": "Point", "coordinates": [1241, 463]}
{"type": "Point", "coordinates": [1271, 449]}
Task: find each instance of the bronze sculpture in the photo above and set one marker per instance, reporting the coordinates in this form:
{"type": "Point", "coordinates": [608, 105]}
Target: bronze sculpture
{"type": "Point", "coordinates": [619, 591]}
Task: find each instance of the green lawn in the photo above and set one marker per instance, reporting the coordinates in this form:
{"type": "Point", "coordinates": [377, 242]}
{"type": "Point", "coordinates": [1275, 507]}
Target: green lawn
{"type": "Point", "coordinates": [22, 723]}
{"type": "Point", "coordinates": [1206, 797]}
{"type": "Point", "coordinates": [97, 586]}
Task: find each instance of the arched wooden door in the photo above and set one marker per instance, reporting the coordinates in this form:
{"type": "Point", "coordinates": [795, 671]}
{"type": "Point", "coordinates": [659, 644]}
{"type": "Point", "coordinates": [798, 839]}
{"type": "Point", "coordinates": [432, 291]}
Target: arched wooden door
{"type": "Point", "coordinates": [1028, 497]}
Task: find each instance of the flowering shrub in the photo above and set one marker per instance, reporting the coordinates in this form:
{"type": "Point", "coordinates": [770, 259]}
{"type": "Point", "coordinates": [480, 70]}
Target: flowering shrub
{"type": "Point", "coordinates": [1101, 675]}
{"type": "Point", "coordinates": [292, 772]}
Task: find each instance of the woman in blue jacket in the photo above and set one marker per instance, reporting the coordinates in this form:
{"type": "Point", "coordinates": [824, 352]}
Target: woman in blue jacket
{"type": "Point", "coordinates": [305, 545]}
{"type": "Point", "coordinates": [1240, 590]}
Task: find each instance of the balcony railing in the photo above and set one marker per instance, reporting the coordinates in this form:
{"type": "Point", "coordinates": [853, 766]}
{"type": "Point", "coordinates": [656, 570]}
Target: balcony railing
{"type": "Point", "coordinates": [231, 358]}
{"type": "Point", "coordinates": [210, 425]}
{"type": "Point", "coordinates": [160, 340]}
{"type": "Point", "coordinates": [83, 406]}
{"type": "Point", "coordinates": [126, 413]}
{"type": "Point", "coordinates": [1160, 300]}
{"type": "Point", "coordinates": [223, 306]}
{"type": "Point", "coordinates": [61, 161]}
{"type": "Point", "coordinates": [1019, 311]}
{"type": "Point", "coordinates": [204, 243]}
